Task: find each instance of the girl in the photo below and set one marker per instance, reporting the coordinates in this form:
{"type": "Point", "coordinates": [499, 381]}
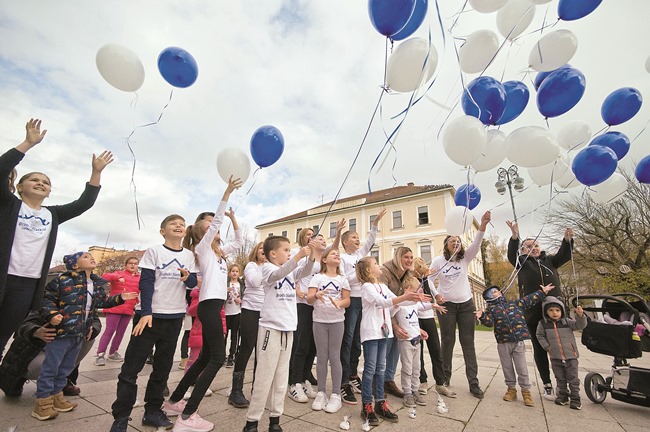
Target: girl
{"type": "Point", "coordinates": [26, 247]}
{"type": "Point", "coordinates": [211, 258]}
{"type": "Point", "coordinates": [376, 330]}
{"type": "Point", "coordinates": [233, 312]}
{"type": "Point", "coordinates": [118, 318]}
{"type": "Point", "coordinates": [329, 292]}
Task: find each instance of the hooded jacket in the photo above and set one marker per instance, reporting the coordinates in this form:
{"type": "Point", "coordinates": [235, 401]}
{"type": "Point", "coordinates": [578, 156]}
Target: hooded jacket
{"type": "Point", "coordinates": [557, 337]}
{"type": "Point", "coordinates": [130, 284]}
{"type": "Point", "coordinates": [508, 318]}
{"type": "Point", "coordinates": [389, 277]}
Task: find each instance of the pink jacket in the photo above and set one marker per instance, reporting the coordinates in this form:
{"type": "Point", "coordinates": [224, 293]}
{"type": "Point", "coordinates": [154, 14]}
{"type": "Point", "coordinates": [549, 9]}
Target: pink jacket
{"type": "Point", "coordinates": [130, 284]}
{"type": "Point", "coordinates": [196, 332]}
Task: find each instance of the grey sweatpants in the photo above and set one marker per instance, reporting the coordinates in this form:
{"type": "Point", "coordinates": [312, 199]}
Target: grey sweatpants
{"type": "Point", "coordinates": [410, 356]}
{"type": "Point", "coordinates": [328, 338]}
{"type": "Point", "coordinates": [513, 363]}
{"type": "Point", "coordinates": [566, 372]}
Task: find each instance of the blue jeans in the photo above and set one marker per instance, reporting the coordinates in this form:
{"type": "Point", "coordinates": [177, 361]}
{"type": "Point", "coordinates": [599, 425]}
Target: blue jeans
{"type": "Point", "coordinates": [374, 365]}
{"type": "Point", "coordinates": [60, 359]}
{"type": "Point", "coordinates": [351, 345]}
{"type": "Point", "coordinates": [392, 357]}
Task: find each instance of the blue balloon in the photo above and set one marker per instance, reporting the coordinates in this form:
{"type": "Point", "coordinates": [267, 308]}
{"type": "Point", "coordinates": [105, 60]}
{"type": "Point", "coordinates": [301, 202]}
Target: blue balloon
{"type": "Point", "coordinates": [642, 171]}
{"type": "Point", "coordinates": [178, 67]}
{"type": "Point", "coordinates": [621, 105]}
{"type": "Point", "coordinates": [487, 101]}
{"type": "Point", "coordinates": [570, 10]}
{"type": "Point", "coordinates": [517, 96]}
{"type": "Point", "coordinates": [594, 164]}
{"type": "Point", "coordinates": [467, 196]}
{"type": "Point", "coordinates": [390, 16]}
{"type": "Point", "coordinates": [267, 145]}
{"type": "Point", "coordinates": [560, 91]}
{"type": "Point", "coordinates": [414, 23]}
{"type": "Point", "coordinates": [617, 141]}
{"type": "Point", "coordinates": [541, 76]}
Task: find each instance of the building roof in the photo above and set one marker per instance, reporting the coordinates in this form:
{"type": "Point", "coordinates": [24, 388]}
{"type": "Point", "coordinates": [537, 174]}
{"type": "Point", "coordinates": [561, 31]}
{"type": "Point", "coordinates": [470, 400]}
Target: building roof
{"type": "Point", "coordinates": [361, 200]}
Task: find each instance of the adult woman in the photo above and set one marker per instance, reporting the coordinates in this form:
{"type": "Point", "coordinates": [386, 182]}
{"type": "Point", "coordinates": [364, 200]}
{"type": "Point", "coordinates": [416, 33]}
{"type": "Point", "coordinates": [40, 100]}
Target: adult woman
{"type": "Point", "coordinates": [26, 247]}
{"type": "Point", "coordinates": [118, 317]}
{"type": "Point", "coordinates": [393, 273]}
{"type": "Point", "coordinates": [455, 292]}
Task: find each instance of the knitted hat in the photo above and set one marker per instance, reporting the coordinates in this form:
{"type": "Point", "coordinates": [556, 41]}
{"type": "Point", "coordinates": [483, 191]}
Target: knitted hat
{"type": "Point", "coordinates": [71, 260]}
{"type": "Point", "coordinates": [489, 293]}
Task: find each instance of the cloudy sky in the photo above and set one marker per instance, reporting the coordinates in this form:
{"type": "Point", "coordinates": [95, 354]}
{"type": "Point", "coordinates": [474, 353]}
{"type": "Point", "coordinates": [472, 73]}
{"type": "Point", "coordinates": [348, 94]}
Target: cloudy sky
{"type": "Point", "coordinates": [312, 68]}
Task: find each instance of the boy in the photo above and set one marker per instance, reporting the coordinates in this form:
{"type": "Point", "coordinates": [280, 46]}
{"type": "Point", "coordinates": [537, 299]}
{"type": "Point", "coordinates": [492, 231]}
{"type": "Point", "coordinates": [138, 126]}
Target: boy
{"type": "Point", "coordinates": [278, 321]}
{"type": "Point", "coordinates": [555, 335]}
{"type": "Point", "coordinates": [166, 271]}
{"type": "Point", "coordinates": [510, 331]}
{"type": "Point", "coordinates": [69, 304]}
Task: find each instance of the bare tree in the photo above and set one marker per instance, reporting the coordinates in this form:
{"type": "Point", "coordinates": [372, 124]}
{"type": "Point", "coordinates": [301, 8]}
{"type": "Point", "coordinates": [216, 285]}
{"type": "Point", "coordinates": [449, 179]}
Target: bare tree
{"type": "Point", "coordinates": [241, 256]}
{"type": "Point", "coordinates": [498, 271]}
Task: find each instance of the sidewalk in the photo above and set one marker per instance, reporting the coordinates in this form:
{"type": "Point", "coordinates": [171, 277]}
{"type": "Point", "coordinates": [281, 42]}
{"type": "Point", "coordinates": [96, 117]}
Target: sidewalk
{"type": "Point", "coordinates": [466, 413]}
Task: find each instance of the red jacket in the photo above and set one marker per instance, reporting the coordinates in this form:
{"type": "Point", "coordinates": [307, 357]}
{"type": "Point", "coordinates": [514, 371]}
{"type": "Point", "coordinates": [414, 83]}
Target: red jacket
{"type": "Point", "coordinates": [130, 284]}
{"type": "Point", "coordinates": [196, 332]}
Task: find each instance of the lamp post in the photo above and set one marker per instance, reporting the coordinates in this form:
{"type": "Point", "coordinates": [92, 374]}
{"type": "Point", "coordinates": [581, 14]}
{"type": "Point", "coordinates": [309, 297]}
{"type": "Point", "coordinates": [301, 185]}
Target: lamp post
{"type": "Point", "coordinates": [507, 178]}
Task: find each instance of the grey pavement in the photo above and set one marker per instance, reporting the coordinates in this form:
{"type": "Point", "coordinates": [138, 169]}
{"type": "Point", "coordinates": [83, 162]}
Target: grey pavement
{"type": "Point", "coordinates": [466, 413]}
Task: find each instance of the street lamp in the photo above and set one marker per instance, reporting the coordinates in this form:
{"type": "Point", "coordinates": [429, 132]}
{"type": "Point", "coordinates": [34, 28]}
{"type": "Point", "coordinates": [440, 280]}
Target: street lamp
{"type": "Point", "coordinates": [506, 179]}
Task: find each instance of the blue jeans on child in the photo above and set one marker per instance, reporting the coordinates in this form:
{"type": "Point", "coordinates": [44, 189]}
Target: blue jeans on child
{"type": "Point", "coordinates": [60, 359]}
{"type": "Point", "coordinates": [374, 366]}
{"type": "Point", "coordinates": [392, 358]}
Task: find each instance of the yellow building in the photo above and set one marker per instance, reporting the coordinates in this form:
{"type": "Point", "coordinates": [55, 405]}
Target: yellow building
{"type": "Point", "coordinates": [415, 218]}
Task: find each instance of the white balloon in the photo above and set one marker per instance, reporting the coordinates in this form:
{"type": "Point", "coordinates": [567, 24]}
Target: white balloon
{"type": "Point", "coordinates": [487, 6]}
{"type": "Point", "coordinates": [120, 67]}
{"type": "Point", "coordinates": [464, 139]}
{"type": "Point", "coordinates": [406, 70]}
{"type": "Point", "coordinates": [494, 153]}
{"type": "Point", "coordinates": [574, 134]}
{"type": "Point", "coordinates": [478, 51]}
{"type": "Point", "coordinates": [553, 50]}
{"type": "Point", "coordinates": [610, 190]}
{"type": "Point", "coordinates": [514, 18]}
{"type": "Point", "coordinates": [550, 172]}
{"type": "Point", "coordinates": [647, 64]}
{"type": "Point", "coordinates": [568, 180]}
{"type": "Point", "coordinates": [233, 162]}
{"type": "Point", "coordinates": [531, 146]}
{"type": "Point", "coordinates": [540, 2]}
{"type": "Point", "coordinates": [458, 220]}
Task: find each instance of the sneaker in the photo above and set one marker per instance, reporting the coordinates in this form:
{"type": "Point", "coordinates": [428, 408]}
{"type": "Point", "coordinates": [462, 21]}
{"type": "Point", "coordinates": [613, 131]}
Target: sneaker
{"type": "Point", "coordinates": [383, 410]}
{"type": "Point", "coordinates": [419, 399]}
{"type": "Point", "coordinates": [548, 392]}
{"type": "Point", "coordinates": [120, 424]}
{"type": "Point", "coordinates": [355, 382]}
{"type": "Point", "coordinates": [320, 402]}
{"type": "Point", "coordinates": [71, 390]}
{"type": "Point", "coordinates": [424, 388]}
{"type": "Point", "coordinates": [174, 408]}
{"type": "Point", "coordinates": [194, 423]}
{"type": "Point", "coordinates": [334, 404]}
{"type": "Point", "coordinates": [575, 404]}
{"type": "Point", "coordinates": [476, 391]}
{"type": "Point", "coordinates": [309, 390]}
{"type": "Point", "coordinates": [183, 363]}
{"type": "Point", "coordinates": [137, 403]}
{"type": "Point", "coordinates": [115, 357]}
{"type": "Point", "coordinates": [391, 388]}
{"type": "Point", "coordinates": [149, 360]}
{"type": "Point", "coordinates": [444, 390]}
{"type": "Point", "coordinates": [409, 401]}
{"type": "Point", "coordinates": [368, 415]}
{"type": "Point", "coordinates": [562, 400]}
{"type": "Point", "coordinates": [528, 397]}
{"type": "Point", "coordinates": [100, 360]}
{"type": "Point", "coordinates": [230, 363]}
{"type": "Point", "coordinates": [188, 393]}
{"type": "Point", "coordinates": [156, 419]}
{"type": "Point", "coordinates": [297, 393]}
{"type": "Point", "coordinates": [347, 394]}
{"type": "Point", "coordinates": [511, 394]}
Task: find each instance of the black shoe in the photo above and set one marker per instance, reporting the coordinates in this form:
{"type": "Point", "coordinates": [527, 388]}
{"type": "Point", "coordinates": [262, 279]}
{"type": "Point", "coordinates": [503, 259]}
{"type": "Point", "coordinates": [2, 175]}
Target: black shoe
{"type": "Point", "coordinates": [149, 360]}
{"type": "Point", "coordinates": [236, 397]}
{"type": "Point", "coordinates": [347, 395]}
{"type": "Point", "coordinates": [368, 414]}
{"type": "Point", "coordinates": [355, 382]}
{"type": "Point", "coordinates": [575, 404]}
{"type": "Point", "coordinates": [562, 400]}
{"type": "Point", "coordinates": [157, 419]}
{"type": "Point", "coordinates": [120, 424]}
{"type": "Point", "coordinates": [476, 391]}
{"type": "Point", "coordinates": [250, 426]}
{"type": "Point", "coordinates": [391, 388]}
{"type": "Point", "coordinates": [71, 390]}
{"type": "Point", "coordinates": [383, 411]}
{"type": "Point", "coordinates": [166, 391]}
{"type": "Point", "coordinates": [17, 391]}
{"type": "Point", "coordinates": [275, 428]}
{"type": "Point", "coordinates": [230, 363]}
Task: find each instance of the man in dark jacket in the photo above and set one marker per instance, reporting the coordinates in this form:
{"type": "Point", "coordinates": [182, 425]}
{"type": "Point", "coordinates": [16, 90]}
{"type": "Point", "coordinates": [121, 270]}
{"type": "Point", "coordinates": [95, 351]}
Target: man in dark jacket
{"type": "Point", "coordinates": [536, 268]}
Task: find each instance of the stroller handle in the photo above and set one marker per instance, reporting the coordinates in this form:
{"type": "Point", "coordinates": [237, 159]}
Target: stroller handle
{"type": "Point", "coordinates": [618, 300]}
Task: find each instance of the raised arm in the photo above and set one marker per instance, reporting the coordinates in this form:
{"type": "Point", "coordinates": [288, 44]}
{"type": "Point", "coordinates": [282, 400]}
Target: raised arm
{"type": "Point", "coordinates": [33, 135]}
{"type": "Point", "coordinates": [372, 236]}
{"type": "Point", "coordinates": [563, 254]}
{"type": "Point", "coordinates": [475, 247]}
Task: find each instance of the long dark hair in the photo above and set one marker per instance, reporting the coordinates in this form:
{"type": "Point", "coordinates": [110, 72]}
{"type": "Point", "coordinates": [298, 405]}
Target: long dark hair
{"type": "Point", "coordinates": [458, 255]}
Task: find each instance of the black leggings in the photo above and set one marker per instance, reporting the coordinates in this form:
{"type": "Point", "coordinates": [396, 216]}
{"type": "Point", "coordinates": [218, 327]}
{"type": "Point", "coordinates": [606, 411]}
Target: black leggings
{"type": "Point", "coordinates": [248, 325]}
{"type": "Point", "coordinates": [232, 325]}
{"type": "Point", "coordinates": [533, 317]}
{"type": "Point", "coordinates": [304, 348]}
{"type": "Point", "coordinates": [433, 344]}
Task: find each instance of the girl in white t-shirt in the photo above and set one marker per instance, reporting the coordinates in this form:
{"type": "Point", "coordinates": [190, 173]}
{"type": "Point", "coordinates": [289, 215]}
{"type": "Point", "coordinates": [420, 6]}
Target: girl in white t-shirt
{"type": "Point", "coordinates": [233, 312]}
{"type": "Point", "coordinates": [329, 292]}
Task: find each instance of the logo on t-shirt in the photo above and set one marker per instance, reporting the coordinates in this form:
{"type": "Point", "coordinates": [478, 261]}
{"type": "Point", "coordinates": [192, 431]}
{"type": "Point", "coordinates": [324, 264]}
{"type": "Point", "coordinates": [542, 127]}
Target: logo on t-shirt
{"type": "Point", "coordinates": [281, 284]}
{"type": "Point", "coordinates": [36, 218]}
{"type": "Point", "coordinates": [167, 271]}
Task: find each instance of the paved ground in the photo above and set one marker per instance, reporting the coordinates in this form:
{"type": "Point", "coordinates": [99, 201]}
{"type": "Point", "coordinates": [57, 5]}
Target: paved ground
{"type": "Point", "coordinates": [465, 412]}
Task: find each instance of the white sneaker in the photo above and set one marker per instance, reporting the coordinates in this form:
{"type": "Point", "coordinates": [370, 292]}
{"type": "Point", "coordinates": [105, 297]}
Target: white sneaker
{"type": "Point", "coordinates": [189, 391]}
{"type": "Point", "coordinates": [334, 404]}
{"type": "Point", "coordinates": [297, 393]}
{"type": "Point", "coordinates": [548, 393]}
{"type": "Point", "coordinates": [320, 401]}
{"type": "Point", "coordinates": [309, 390]}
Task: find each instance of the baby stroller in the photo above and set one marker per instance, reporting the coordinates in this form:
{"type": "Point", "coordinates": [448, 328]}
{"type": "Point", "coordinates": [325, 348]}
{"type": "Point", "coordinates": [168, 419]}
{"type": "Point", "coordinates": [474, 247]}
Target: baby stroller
{"type": "Point", "coordinates": [625, 341]}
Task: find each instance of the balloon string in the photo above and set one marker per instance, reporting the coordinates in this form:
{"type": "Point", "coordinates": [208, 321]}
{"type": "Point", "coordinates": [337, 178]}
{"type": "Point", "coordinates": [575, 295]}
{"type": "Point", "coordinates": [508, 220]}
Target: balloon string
{"type": "Point", "coordinates": [240, 198]}
{"type": "Point", "coordinates": [642, 130]}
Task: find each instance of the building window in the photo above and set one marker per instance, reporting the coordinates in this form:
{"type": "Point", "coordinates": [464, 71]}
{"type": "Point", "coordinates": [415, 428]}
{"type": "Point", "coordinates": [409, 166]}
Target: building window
{"type": "Point", "coordinates": [284, 234]}
{"type": "Point", "coordinates": [423, 215]}
{"type": "Point", "coordinates": [315, 228]}
{"type": "Point", "coordinates": [270, 235]}
{"type": "Point", "coordinates": [297, 233]}
{"type": "Point", "coordinates": [332, 229]}
{"type": "Point", "coordinates": [374, 252]}
{"type": "Point", "coordinates": [397, 219]}
{"type": "Point", "coordinates": [352, 225]}
{"type": "Point", "coordinates": [394, 247]}
{"type": "Point", "coordinates": [372, 220]}
{"type": "Point", "coordinates": [425, 252]}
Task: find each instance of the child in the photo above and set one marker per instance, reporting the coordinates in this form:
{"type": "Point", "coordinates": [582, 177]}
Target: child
{"type": "Point", "coordinates": [375, 330]}
{"type": "Point", "coordinates": [233, 312]}
{"type": "Point", "coordinates": [69, 304]}
{"type": "Point", "coordinates": [555, 335]}
{"type": "Point", "coordinates": [167, 270]}
{"type": "Point", "coordinates": [510, 331]}
{"type": "Point", "coordinates": [329, 292]}
{"type": "Point", "coordinates": [278, 321]}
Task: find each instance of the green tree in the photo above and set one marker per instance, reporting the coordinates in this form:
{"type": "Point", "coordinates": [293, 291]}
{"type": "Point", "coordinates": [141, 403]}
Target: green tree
{"type": "Point", "coordinates": [498, 270]}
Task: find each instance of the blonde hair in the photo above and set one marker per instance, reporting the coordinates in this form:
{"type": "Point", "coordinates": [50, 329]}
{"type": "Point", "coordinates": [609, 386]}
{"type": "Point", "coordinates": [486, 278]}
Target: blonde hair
{"type": "Point", "coordinates": [420, 266]}
{"type": "Point", "coordinates": [194, 233]}
{"type": "Point", "coordinates": [363, 270]}
{"type": "Point", "coordinates": [252, 256]}
{"type": "Point", "coordinates": [397, 257]}
{"type": "Point", "coordinates": [232, 266]}
{"type": "Point", "coordinates": [323, 266]}
{"type": "Point", "coordinates": [301, 236]}
{"type": "Point", "coordinates": [410, 281]}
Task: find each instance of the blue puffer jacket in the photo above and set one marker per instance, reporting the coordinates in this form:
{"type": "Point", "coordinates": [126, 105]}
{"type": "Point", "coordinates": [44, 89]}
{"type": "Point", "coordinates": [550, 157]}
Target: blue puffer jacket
{"type": "Point", "coordinates": [508, 318]}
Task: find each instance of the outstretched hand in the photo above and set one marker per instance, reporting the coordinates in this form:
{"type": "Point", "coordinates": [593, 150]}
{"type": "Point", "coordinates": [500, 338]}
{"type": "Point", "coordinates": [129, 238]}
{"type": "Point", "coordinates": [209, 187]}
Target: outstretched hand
{"type": "Point", "coordinates": [230, 214]}
{"type": "Point", "coordinates": [34, 135]}
{"type": "Point", "coordinates": [547, 288]}
{"type": "Point", "coordinates": [380, 215]}
{"type": "Point", "coordinates": [514, 229]}
{"type": "Point", "coordinates": [568, 234]}
{"type": "Point", "coordinates": [485, 219]}
{"type": "Point", "coordinates": [100, 162]}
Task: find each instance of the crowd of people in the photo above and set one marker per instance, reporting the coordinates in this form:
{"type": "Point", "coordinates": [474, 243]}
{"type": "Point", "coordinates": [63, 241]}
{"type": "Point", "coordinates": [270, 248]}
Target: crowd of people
{"type": "Point", "coordinates": [287, 307]}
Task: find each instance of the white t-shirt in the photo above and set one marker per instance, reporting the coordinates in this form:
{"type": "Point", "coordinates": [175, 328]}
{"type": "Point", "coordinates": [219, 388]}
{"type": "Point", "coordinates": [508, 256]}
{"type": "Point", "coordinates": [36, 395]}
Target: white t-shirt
{"type": "Point", "coordinates": [407, 317]}
{"type": "Point", "coordinates": [90, 290]}
{"type": "Point", "coordinates": [333, 286]}
{"type": "Point", "coordinates": [231, 307]}
{"type": "Point", "coordinates": [349, 263]}
{"type": "Point", "coordinates": [376, 301]}
{"type": "Point", "coordinates": [254, 293]}
{"type": "Point", "coordinates": [305, 283]}
{"type": "Point", "coordinates": [30, 242]}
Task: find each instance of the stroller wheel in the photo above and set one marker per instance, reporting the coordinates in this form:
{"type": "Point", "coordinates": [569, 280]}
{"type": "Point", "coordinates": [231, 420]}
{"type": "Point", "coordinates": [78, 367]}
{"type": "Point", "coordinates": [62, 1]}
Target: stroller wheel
{"type": "Point", "coordinates": [595, 387]}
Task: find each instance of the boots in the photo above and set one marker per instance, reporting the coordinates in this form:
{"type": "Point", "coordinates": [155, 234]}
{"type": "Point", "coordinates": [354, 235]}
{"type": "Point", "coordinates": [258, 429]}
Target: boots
{"type": "Point", "coordinates": [528, 398]}
{"type": "Point", "coordinates": [236, 397]}
{"type": "Point", "coordinates": [44, 409]}
{"type": "Point", "coordinates": [511, 394]}
{"type": "Point", "coordinates": [61, 404]}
